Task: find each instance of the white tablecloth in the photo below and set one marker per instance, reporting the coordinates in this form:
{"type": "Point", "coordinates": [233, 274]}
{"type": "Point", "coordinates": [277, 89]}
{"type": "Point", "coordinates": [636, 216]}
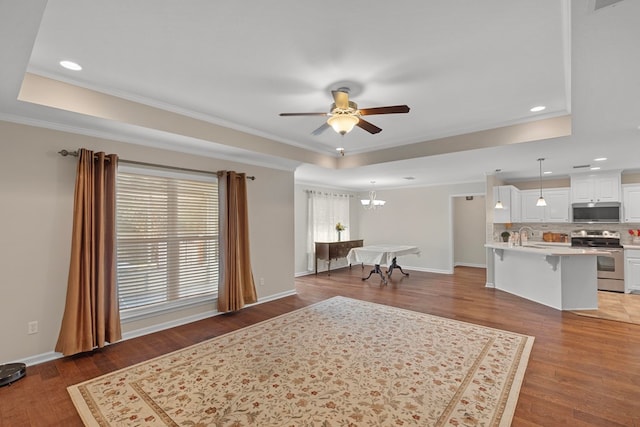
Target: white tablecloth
{"type": "Point", "coordinates": [379, 254]}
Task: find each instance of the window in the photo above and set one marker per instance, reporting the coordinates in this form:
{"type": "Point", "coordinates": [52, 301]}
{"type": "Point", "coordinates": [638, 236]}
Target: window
{"type": "Point", "coordinates": [167, 239]}
{"type": "Point", "coordinates": [325, 210]}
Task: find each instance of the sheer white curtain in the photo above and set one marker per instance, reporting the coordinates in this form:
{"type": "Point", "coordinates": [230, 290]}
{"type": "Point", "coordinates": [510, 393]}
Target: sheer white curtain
{"type": "Point", "coordinates": [325, 210]}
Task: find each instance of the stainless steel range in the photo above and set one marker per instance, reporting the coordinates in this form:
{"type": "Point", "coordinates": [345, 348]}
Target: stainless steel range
{"type": "Point", "coordinates": [610, 266]}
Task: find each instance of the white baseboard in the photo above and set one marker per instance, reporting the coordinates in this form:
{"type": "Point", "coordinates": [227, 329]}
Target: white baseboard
{"type": "Point", "coordinates": [39, 358]}
{"type": "Point", "coordinates": [468, 264]}
{"type": "Point", "coordinates": [275, 297]}
{"type": "Point", "coordinates": [304, 273]}
{"type": "Point", "coordinates": [428, 270]}
{"type": "Point", "coordinates": [424, 269]}
{"type": "Point", "coordinates": [194, 318]}
{"type": "Point", "coordinates": [52, 355]}
{"type": "Point", "coordinates": [168, 325]}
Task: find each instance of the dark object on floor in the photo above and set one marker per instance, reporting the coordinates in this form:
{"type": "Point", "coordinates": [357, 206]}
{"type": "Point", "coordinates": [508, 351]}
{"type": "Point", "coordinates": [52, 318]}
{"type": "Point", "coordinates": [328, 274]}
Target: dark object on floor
{"type": "Point", "coordinates": [12, 372]}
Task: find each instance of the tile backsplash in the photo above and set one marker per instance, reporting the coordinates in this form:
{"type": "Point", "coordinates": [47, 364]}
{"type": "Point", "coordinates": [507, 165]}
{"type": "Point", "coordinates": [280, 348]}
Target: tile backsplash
{"type": "Point", "coordinates": [559, 227]}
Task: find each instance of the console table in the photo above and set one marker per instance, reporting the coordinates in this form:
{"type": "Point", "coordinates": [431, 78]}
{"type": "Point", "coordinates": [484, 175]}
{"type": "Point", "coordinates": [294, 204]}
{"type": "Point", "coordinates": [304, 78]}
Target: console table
{"type": "Point", "coordinates": [327, 251]}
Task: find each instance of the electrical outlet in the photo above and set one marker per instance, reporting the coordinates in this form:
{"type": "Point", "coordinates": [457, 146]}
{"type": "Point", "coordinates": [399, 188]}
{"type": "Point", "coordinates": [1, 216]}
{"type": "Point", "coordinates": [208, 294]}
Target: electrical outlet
{"type": "Point", "coordinates": [262, 281]}
{"type": "Point", "coordinates": [32, 327]}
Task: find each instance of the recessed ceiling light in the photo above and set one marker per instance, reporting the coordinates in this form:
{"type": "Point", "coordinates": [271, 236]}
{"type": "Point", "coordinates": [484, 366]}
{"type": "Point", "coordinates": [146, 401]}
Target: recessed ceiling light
{"type": "Point", "coordinates": [600, 159]}
{"type": "Point", "coordinates": [70, 65]}
{"type": "Point", "coordinates": [538, 108]}
{"type": "Point", "coordinates": [547, 172]}
{"type": "Point", "coordinates": [595, 168]}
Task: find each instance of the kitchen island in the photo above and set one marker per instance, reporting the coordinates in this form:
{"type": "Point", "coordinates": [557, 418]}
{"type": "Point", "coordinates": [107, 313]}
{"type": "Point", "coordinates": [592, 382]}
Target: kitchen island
{"type": "Point", "coordinates": [558, 276]}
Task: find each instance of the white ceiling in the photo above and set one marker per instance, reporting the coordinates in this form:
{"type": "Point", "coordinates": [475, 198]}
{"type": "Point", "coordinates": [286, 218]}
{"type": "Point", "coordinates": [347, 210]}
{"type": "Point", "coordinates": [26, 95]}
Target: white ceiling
{"type": "Point", "coordinates": [461, 65]}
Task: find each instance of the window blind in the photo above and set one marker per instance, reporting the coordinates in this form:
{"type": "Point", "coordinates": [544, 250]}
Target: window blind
{"type": "Point", "coordinates": [167, 238]}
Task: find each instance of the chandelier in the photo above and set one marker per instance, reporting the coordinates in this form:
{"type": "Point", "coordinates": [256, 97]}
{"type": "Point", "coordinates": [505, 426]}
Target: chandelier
{"type": "Point", "coordinates": [372, 202]}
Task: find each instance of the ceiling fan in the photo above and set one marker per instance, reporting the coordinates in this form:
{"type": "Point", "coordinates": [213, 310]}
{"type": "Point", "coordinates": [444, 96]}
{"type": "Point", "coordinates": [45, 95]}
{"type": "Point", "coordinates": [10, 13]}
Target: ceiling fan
{"type": "Point", "coordinates": [344, 114]}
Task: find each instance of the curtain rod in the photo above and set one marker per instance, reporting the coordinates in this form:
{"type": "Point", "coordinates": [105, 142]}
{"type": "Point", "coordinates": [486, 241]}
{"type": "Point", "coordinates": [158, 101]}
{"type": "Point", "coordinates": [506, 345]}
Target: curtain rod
{"type": "Point", "coordinates": [326, 193]}
{"type": "Point", "coordinates": [65, 153]}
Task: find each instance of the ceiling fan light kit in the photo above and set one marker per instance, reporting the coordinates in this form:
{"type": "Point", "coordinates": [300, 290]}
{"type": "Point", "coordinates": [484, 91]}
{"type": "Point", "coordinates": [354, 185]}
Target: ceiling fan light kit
{"type": "Point", "coordinates": [343, 123]}
{"type": "Point", "coordinates": [345, 115]}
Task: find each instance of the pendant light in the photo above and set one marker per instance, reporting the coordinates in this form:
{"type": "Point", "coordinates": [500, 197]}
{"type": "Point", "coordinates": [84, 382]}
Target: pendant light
{"type": "Point", "coordinates": [498, 203]}
{"type": "Point", "coordinates": [541, 200]}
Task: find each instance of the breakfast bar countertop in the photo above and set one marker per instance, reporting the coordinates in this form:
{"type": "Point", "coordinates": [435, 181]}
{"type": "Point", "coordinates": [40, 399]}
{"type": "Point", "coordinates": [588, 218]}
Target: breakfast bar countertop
{"type": "Point", "coordinates": [559, 276]}
{"type": "Point", "coordinates": [547, 249]}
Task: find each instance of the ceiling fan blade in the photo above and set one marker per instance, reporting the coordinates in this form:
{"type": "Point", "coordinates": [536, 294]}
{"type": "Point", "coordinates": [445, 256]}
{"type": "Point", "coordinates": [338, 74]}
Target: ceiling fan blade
{"type": "Point", "coordinates": [393, 109]}
{"type": "Point", "coordinates": [369, 127]}
{"type": "Point", "coordinates": [341, 99]}
{"type": "Point", "coordinates": [304, 114]}
{"type": "Point", "coordinates": [321, 129]}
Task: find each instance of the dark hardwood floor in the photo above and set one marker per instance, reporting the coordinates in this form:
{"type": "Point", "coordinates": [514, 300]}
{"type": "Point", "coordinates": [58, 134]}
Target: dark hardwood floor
{"type": "Point", "coordinates": [582, 371]}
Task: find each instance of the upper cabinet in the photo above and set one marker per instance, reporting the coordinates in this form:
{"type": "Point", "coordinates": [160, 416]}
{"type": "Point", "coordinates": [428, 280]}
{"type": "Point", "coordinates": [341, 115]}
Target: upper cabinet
{"type": "Point", "coordinates": [631, 203]}
{"type": "Point", "coordinates": [557, 209]}
{"type": "Point", "coordinates": [510, 198]}
{"type": "Point", "coordinates": [530, 211]}
{"type": "Point", "coordinates": [594, 188]}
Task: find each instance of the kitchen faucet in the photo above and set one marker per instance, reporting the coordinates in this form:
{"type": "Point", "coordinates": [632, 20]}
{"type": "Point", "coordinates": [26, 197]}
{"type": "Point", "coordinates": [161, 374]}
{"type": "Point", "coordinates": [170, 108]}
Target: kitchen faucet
{"type": "Point", "coordinates": [520, 232]}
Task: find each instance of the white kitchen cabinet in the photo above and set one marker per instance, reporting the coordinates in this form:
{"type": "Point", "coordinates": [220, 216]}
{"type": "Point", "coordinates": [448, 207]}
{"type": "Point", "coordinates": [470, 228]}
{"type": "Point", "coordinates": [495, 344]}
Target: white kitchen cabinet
{"type": "Point", "coordinates": [595, 187]}
{"type": "Point", "coordinates": [557, 209]}
{"type": "Point", "coordinates": [631, 270]}
{"type": "Point", "coordinates": [531, 212]}
{"type": "Point", "coordinates": [631, 203]}
{"type": "Point", "coordinates": [510, 198]}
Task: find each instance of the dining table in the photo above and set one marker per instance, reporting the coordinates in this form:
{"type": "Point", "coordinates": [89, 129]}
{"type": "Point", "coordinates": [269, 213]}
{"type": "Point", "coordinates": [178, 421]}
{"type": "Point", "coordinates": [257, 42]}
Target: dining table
{"type": "Point", "coordinates": [377, 255]}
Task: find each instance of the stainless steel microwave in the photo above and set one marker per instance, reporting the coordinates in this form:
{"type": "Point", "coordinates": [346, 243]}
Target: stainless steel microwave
{"type": "Point", "coordinates": [596, 212]}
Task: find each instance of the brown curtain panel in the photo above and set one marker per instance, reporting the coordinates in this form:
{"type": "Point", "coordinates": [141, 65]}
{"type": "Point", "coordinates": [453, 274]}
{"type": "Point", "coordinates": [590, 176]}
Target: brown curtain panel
{"type": "Point", "coordinates": [235, 286]}
{"type": "Point", "coordinates": [91, 315]}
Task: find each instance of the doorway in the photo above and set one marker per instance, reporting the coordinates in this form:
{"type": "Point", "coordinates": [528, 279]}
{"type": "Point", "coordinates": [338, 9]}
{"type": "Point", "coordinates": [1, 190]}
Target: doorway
{"type": "Point", "coordinates": [468, 229]}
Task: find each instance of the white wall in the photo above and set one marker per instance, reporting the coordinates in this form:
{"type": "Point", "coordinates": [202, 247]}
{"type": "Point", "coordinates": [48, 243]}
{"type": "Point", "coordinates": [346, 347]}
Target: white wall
{"type": "Point", "coordinates": [417, 216]}
{"type": "Point", "coordinates": [36, 193]}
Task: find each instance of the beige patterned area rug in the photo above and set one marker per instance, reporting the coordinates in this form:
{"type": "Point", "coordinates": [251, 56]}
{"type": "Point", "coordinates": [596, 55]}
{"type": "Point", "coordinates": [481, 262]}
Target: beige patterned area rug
{"type": "Point", "coordinates": [336, 363]}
